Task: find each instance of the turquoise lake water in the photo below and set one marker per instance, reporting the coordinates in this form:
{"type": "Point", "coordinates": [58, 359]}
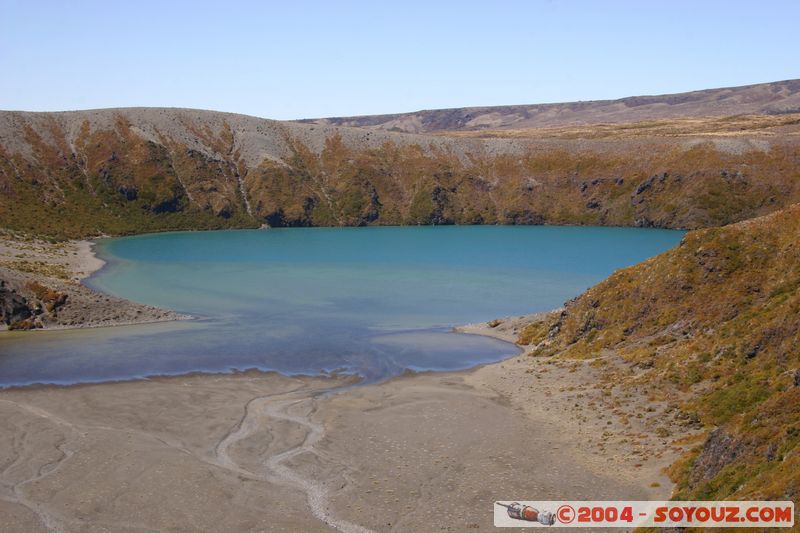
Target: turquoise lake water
{"type": "Point", "coordinates": [374, 301]}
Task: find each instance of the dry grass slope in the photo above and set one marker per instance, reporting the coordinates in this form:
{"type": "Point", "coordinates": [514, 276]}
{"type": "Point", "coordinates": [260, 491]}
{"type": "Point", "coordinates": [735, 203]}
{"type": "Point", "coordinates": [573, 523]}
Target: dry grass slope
{"type": "Point", "coordinates": [714, 326]}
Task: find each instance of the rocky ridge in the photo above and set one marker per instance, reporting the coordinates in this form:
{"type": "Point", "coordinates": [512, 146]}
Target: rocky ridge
{"type": "Point", "coordinates": [766, 98]}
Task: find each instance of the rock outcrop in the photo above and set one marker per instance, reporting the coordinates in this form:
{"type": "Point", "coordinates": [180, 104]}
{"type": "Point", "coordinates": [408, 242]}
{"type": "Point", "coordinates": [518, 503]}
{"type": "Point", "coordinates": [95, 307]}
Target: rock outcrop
{"type": "Point", "coordinates": [13, 307]}
{"type": "Point", "coordinates": [32, 301]}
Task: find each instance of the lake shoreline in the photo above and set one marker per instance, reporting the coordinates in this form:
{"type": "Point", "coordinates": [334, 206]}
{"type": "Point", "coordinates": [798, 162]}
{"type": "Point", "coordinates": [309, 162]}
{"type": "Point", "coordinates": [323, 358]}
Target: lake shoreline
{"type": "Point", "coordinates": [257, 450]}
{"type": "Point", "coordinates": [319, 450]}
{"type": "Point", "coordinates": [338, 449]}
{"type": "Point", "coordinates": [63, 268]}
{"type": "Point", "coordinates": [506, 328]}
{"type": "Point", "coordinates": [88, 257]}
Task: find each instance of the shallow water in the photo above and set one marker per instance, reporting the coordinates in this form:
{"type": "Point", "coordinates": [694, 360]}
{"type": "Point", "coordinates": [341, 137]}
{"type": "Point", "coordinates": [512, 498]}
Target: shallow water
{"type": "Point", "coordinates": [374, 301]}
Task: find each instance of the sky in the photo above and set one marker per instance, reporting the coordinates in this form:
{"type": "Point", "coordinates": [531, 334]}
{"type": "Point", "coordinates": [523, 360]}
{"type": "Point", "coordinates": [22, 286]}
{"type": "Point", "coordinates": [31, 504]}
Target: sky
{"type": "Point", "coordinates": [300, 59]}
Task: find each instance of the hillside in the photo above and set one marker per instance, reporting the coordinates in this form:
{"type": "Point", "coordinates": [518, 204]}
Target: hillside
{"type": "Point", "coordinates": [119, 171]}
{"type": "Point", "coordinates": [712, 327]}
{"type": "Point", "coordinates": [761, 99]}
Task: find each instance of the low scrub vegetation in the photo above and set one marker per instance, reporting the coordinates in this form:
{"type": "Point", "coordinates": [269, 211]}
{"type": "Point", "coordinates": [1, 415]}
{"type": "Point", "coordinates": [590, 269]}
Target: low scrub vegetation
{"type": "Point", "coordinates": [715, 324]}
{"type": "Point", "coordinates": [114, 180]}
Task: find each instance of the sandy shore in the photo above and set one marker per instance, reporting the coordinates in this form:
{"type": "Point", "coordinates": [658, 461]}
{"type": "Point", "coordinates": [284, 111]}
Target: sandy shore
{"type": "Point", "coordinates": [506, 329]}
{"type": "Point", "coordinates": [264, 452]}
{"type": "Point", "coordinates": [61, 267]}
{"type": "Point", "coordinates": [87, 261]}
{"type": "Point", "coordinates": [69, 260]}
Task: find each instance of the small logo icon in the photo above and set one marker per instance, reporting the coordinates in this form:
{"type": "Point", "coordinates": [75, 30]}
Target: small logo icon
{"type": "Point", "coordinates": [527, 513]}
{"type": "Point", "coordinates": [565, 514]}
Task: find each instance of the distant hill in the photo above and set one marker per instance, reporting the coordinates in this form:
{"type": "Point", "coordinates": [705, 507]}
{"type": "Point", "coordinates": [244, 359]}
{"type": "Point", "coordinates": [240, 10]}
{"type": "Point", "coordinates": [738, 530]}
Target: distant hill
{"type": "Point", "coordinates": [761, 99]}
{"type": "Point", "coordinates": [133, 170]}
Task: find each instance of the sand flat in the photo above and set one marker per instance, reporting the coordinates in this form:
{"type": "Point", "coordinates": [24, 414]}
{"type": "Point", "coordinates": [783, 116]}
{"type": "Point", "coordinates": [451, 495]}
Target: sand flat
{"type": "Point", "coordinates": [142, 456]}
{"type": "Point", "coordinates": [436, 450]}
{"type": "Point", "coordinates": [264, 452]}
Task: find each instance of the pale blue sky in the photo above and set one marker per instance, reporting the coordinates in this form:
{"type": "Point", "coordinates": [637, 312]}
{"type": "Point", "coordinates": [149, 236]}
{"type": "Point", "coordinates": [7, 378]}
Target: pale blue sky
{"type": "Point", "coordinates": [296, 59]}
